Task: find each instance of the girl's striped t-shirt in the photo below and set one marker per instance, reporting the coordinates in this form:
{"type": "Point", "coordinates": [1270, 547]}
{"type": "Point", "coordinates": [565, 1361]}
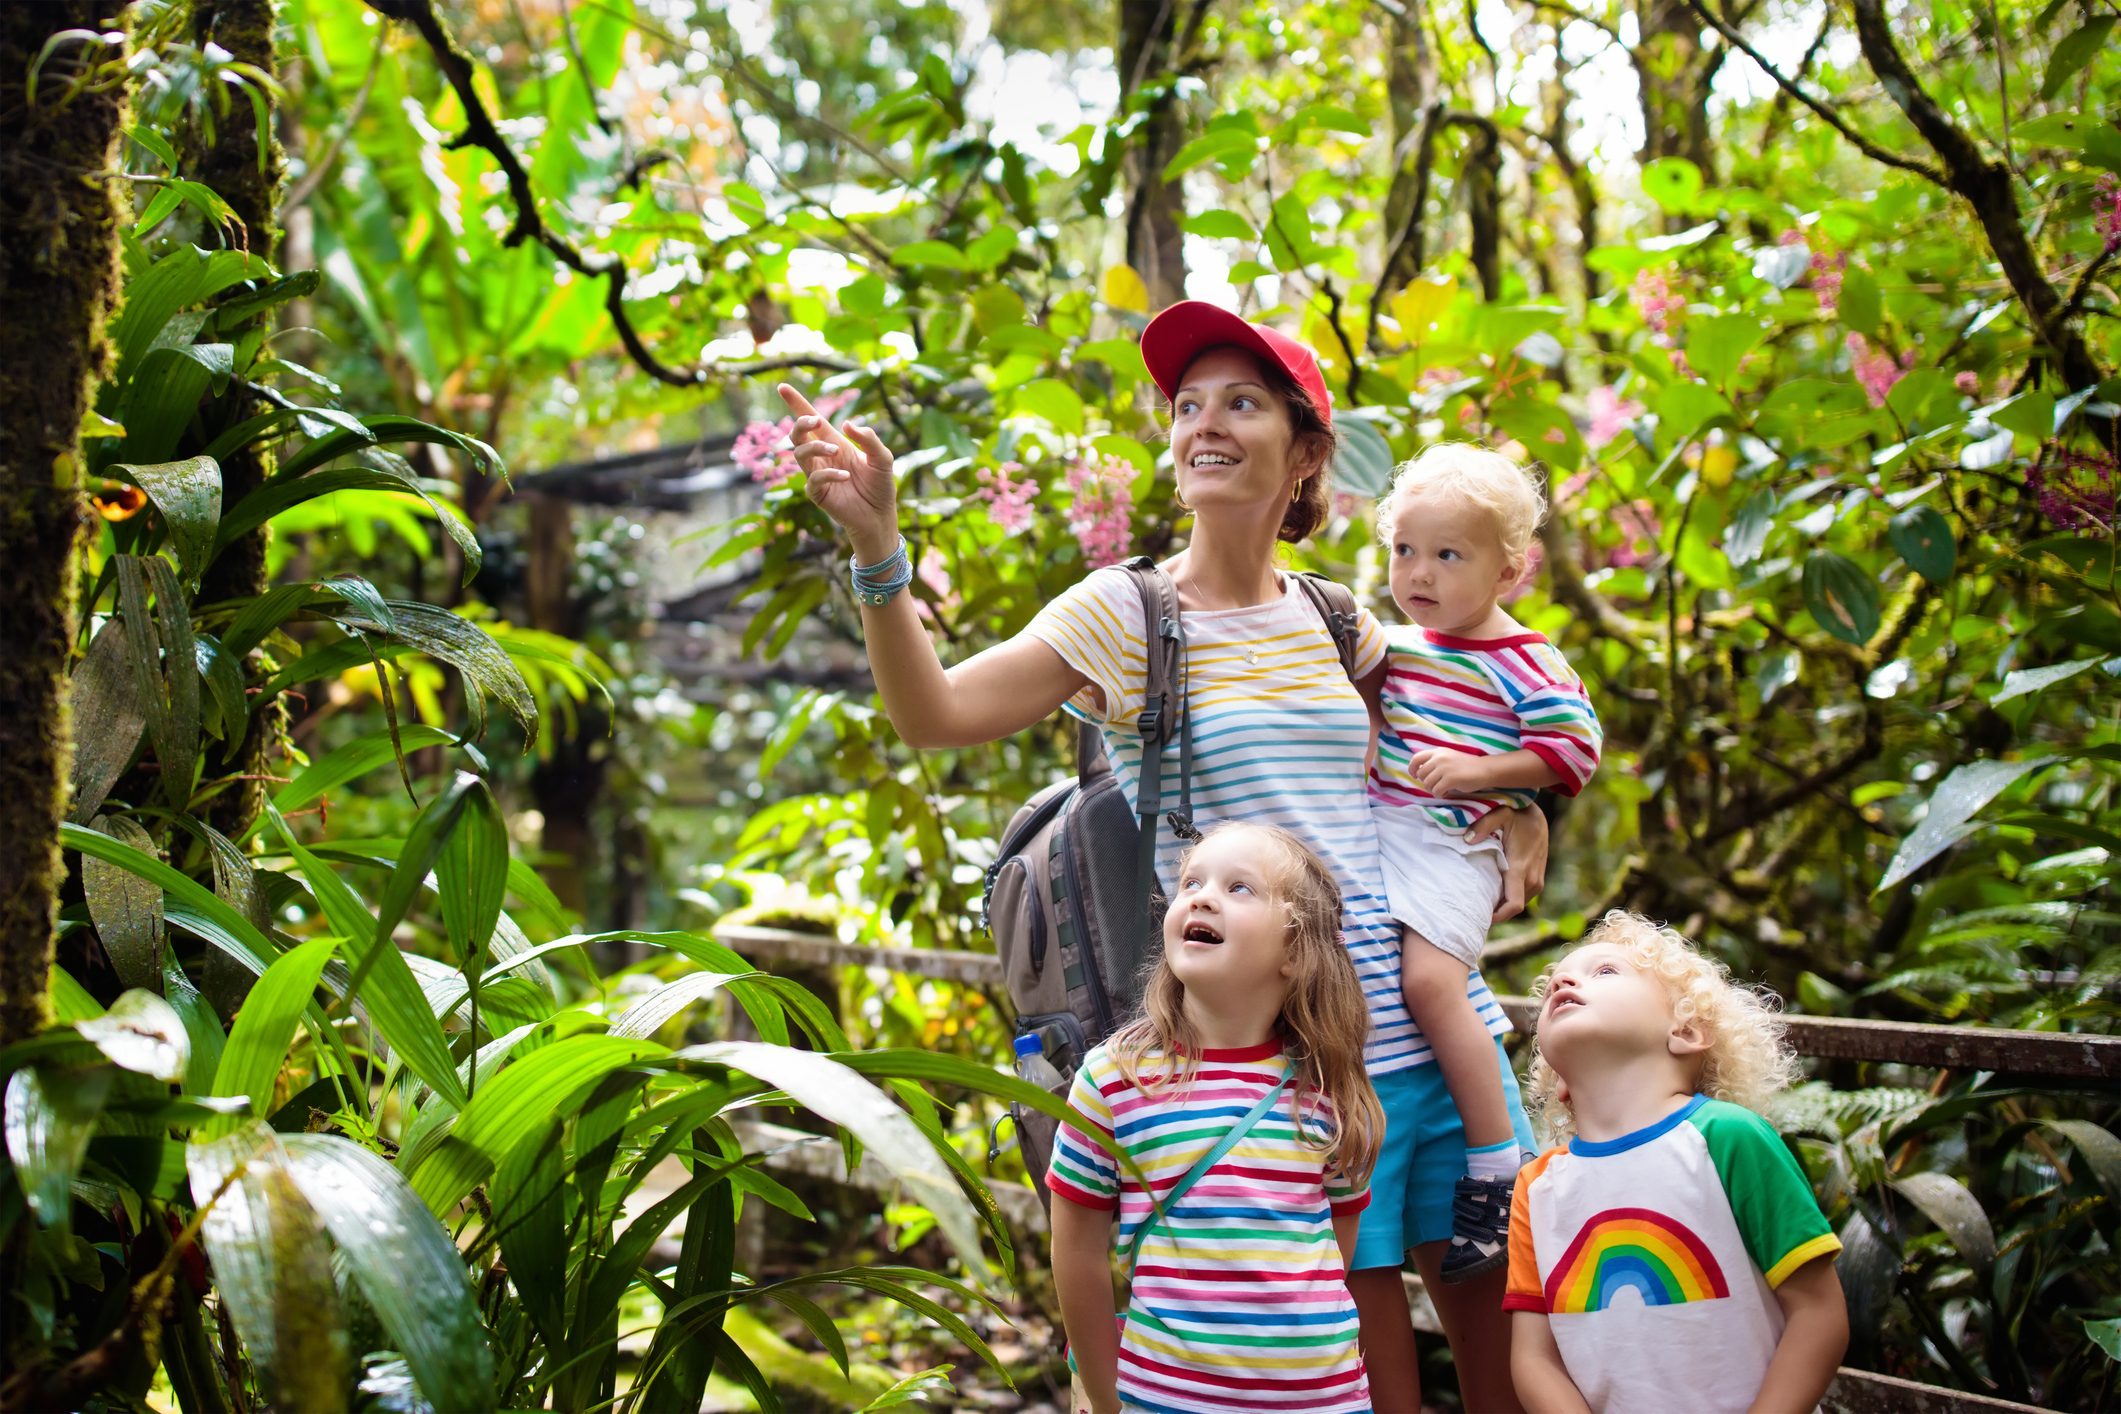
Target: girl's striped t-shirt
{"type": "Point", "coordinates": [1239, 1300]}
{"type": "Point", "coordinates": [1481, 695]}
{"type": "Point", "coordinates": [1279, 738]}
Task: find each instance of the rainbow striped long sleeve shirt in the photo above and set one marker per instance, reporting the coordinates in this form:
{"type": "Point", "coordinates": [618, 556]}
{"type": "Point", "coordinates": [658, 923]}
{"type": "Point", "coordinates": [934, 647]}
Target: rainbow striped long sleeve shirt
{"type": "Point", "coordinates": [1239, 1303]}
{"type": "Point", "coordinates": [1484, 696]}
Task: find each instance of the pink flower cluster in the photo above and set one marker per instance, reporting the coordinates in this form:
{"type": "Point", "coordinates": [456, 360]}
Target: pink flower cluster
{"type": "Point", "coordinates": [763, 448]}
{"type": "Point", "coordinates": [1008, 494]}
{"type": "Point", "coordinates": [934, 571]}
{"type": "Point", "coordinates": [2106, 213]}
{"type": "Point", "coordinates": [1102, 515]}
{"type": "Point", "coordinates": [1968, 382]}
{"type": "Point", "coordinates": [1659, 305]}
{"type": "Point", "coordinates": [1876, 369]}
{"type": "Point", "coordinates": [1611, 415]}
{"type": "Point", "coordinates": [1826, 273]}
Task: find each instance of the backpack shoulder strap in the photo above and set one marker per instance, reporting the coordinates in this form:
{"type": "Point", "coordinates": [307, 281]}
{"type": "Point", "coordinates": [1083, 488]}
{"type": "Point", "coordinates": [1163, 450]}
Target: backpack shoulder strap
{"type": "Point", "coordinates": [1336, 605]}
{"type": "Point", "coordinates": [1162, 1211]}
{"type": "Point", "coordinates": [1163, 700]}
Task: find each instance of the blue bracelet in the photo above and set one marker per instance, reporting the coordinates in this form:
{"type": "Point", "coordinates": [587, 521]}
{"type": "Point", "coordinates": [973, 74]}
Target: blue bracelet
{"type": "Point", "coordinates": [882, 582]}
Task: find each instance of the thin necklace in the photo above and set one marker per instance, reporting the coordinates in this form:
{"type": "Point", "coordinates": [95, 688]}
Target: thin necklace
{"type": "Point", "coordinates": [1191, 582]}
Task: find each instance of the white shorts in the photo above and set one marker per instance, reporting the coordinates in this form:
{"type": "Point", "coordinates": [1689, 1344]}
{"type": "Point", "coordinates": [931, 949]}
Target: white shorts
{"type": "Point", "coordinates": [1437, 884]}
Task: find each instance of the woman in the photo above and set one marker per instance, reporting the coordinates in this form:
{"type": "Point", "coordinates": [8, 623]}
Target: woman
{"type": "Point", "coordinates": [1280, 735]}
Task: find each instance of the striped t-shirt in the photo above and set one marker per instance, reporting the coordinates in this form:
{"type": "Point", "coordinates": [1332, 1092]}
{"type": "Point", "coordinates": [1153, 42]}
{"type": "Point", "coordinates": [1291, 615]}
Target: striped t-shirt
{"type": "Point", "coordinates": [1485, 696]}
{"type": "Point", "coordinates": [1279, 738]}
{"type": "Point", "coordinates": [1239, 1300]}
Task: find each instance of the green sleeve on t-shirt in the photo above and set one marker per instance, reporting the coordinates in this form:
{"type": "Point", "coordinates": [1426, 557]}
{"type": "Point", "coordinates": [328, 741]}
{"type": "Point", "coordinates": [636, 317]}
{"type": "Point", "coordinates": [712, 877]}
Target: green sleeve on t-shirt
{"type": "Point", "coordinates": [1770, 1197]}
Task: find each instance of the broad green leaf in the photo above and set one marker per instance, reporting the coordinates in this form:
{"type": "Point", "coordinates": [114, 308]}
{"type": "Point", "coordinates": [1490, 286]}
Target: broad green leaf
{"type": "Point", "coordinates": [165, 667]}
{"type": "Point", "coordinates": [1221, 226]}
{"type": "Point", "coordinates": [70, 1000]}
{"type": "Point", "coordinates": [272, 1266]}
{"type": "Point", "coordinates": [2097, 1146]}
{"type": "Point", "coordinates": [471, 874]}
{"type": "Point", "coordinates": [2026, 680]}
{"type": "Point", "coordinates": [1686, 408]}
{"type": "Point", "coordinates": [225, 711]}
{"type": "Point", "coordinates": [1054, 401]}
{"type": "Point", "coordinates": [188, 493]}
{"type": "Point", "coordinates": [1924, 540]}
{"type": "Point", "coordinates": [677, 1364]}
{"type": "Point", "coordinates": [214, 920]}
{"type": "Point", "coordinates": [1951, 810]}
{"type": "Point", "coordinates": [107, 719]}
{"type": "Point", "coordinates": [1746, 535]}
{"type": "Point", "coordinates": [1860, 307]}
{"type": "Point", "coordinates": [266, 1024]}
{"type": "Point", "coordinates": [164, 395]}
{"type": "Point", "coordinates": [284, 491]}
{"type": "Point", "coordinates": [406, 1265]}
{"type": "Point", "coordinates": [836, 1093]}
{"type": "Point", "coordinates": [440, 634]}
{"type": "Point", "coordinates": [351, 761]}
{"type": "Point", "coordinates": [937, 254]}
{"type": "Point", "coordinates": [391, 993]}
{"type": "Point", "coordinates": [1841, 597]}
{"type": "Point", "coordinates": [1716, 345]}
{"type": "Point", "coordinates": [126, 909]}
{"type": "Point", "coordinates": [2078, 48]}
{"type": "Point", "coordinates": [1958, 1214]}
{"type": "Point", "coordinates": [49, 1118]}
{"type": "Point", "coordinates": [2106, 1335]}
{"type": "Point", "coordinates": [2088, 133]}
{"type": "Point", "coordinates": [1363, 464]}
{"type": "Point", "coordinates": [1226, 145]}
{"type": "Point", "coordinates": [656, 1010]}
{"type": "Point", "coordinates": [179, 280]}
{"type": "Point", "coordinates": [528, 1195]}
{"type": "Point", "coordinates": [1673, 183]}
{"type": "Point", "coordinates": [141, 1033]}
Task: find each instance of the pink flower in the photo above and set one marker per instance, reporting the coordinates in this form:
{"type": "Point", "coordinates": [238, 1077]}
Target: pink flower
{"type": "Point", "coordinates": [2106, 213]}
{"type": "Point", "coordinates": [1968, 382]}
{"type": "Point", "coordinates": [1008, 494]}
{"type": "Point", "coordinates": [1655, 300]}
{"type": "Point", "coordinates": [762, 447]}
{"type": "Point", "coordinates": [1876, 370]}
{"type": "Point", "coordinates": [1102, 515]}
{"type": "Point", "coordinates": [1611, 415]}
{"type": "Point", "coordinates": [935, 573]}
{"type": "Point", "coordinates": [1638, 522]}
{"type": "Point", "coordinates": [2076, 490]}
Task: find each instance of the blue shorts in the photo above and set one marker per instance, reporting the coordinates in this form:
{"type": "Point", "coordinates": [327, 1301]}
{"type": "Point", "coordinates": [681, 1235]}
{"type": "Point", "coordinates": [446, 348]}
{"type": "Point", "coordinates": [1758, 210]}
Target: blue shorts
{"type": "Point", "coordinates": [1422, 1159]}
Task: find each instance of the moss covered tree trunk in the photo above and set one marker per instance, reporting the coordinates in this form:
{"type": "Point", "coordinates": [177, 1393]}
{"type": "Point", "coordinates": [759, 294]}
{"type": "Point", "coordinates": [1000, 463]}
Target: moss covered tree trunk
{"type": "Point", "coordinates": [58, 282]}
{"type": "Point", "coordinates": [231, 165]}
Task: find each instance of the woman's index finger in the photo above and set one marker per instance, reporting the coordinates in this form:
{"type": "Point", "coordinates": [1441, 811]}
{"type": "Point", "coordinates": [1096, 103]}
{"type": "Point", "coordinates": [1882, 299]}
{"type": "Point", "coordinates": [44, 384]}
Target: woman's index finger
{"type": "Point", "coordinates": [800, 406]}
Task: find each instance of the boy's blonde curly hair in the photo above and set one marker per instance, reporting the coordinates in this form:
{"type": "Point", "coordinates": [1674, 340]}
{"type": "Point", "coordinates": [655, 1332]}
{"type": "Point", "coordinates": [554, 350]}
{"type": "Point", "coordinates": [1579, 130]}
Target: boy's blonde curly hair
{"type": "Point", "coordinates": [1748, 1059]}
{"type": "Point", "coordinates": [1506, 489]}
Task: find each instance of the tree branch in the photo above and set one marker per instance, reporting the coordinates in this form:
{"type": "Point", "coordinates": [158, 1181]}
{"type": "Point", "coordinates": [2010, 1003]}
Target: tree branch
{"type": "Point", "coordinates": [1834, 120]}
{"type": "Point", "coordinates": [1986, 186]}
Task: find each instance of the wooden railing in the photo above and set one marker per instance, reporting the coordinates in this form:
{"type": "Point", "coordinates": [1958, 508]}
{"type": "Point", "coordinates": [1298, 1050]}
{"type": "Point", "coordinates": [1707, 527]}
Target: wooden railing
{"type": "Point", "coordinates": [2041, 1054]}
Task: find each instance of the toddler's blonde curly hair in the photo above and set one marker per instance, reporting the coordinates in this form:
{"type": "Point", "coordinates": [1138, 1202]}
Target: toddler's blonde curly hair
{"type": "Point", "coordinates": [1506, 489]}
{"type": "Point", "coordinates": [1748, 1059]}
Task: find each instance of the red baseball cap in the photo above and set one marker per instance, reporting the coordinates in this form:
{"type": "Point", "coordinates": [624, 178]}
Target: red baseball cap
{"type": "Point", "coordinates": [1181, 332]}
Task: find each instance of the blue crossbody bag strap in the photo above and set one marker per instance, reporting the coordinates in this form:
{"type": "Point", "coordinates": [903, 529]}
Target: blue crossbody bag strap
{"type": "Point", "coordinates": [1199, 1170]}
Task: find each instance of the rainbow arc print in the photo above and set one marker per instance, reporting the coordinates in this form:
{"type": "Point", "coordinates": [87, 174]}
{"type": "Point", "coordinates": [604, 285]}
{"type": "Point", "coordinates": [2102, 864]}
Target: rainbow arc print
{"type": "Point", "coordinates": [1633, 1249]}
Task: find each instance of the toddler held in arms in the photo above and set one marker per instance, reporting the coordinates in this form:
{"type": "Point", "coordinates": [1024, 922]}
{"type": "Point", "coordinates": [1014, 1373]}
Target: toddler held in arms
{"type": "Point", "coordinates": [1476, 713]}
{"type": "Point", "coordinates": [1669, 1255]}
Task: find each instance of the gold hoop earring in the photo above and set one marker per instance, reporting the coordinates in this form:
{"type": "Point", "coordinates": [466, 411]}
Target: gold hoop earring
{"type": "Point", "coordinates": [1296, 492]}
{"type": "Point", "coordinates": [1180, 497]}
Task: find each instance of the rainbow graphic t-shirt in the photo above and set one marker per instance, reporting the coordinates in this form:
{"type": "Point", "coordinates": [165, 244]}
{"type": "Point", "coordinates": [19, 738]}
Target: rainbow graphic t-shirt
{"type": "Point", "coordinates": [1656, 1256]}
{"type": "Point", "coordinates": [1239, 1304]}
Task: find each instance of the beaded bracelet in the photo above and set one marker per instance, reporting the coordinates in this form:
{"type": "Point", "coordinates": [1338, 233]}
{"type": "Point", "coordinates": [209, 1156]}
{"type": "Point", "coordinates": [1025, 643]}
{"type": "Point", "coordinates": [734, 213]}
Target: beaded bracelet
{"type": "Point", "coordinates": [881, 582]}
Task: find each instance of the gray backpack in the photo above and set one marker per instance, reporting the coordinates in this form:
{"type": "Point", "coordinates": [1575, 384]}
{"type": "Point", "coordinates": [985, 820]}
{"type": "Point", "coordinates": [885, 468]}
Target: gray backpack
{"type": "Point", "coordinates": [1071, 899]}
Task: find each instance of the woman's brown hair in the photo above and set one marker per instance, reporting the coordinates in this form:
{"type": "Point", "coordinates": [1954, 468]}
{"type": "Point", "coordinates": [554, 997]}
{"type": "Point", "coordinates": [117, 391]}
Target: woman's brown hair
{"type": "Point", "coordinates": [1308, 429]}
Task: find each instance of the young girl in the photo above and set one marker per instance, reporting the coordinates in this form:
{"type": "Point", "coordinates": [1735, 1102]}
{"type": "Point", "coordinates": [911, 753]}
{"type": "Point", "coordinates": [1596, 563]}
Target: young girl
{"type": "Point", "coordinates": [1670, 1255]}
{"type": "Point", "coordinates": [1239, 1298]}
{"type": "Point", "coordinates": [1476, 712]}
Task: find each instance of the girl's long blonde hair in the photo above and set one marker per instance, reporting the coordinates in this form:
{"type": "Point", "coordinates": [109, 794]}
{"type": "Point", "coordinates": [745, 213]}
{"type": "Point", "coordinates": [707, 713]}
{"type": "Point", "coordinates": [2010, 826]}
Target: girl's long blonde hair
{"type": "Point", "coordinates": [1324, 1023]}
{"type": "Point", "coordinates": [1748, 1060]}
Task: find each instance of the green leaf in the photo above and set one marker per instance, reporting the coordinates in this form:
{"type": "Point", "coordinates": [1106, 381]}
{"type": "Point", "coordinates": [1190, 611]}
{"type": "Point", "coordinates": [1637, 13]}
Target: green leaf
{"type": "Point", "coordinates": [353, 760]}
{"type": "Point", "coordinates": [49, 1117]}
{"type": "Point", "coordinates": [107, 719]}
{"type": "Point", "coordinates": [449, 637]}
{"type": "Point", "coordinates": [70, 1000]}
{"type": "Point", "coordinates": [226, 710]}
{"type": "Point", "coordinates": [1746, 536]}
{"type": "Point", "coordinates": [141, 1033]}
{"type": "Point", "coordinates": [1841, 597]}
{"type": "Point", "coordinates": [266, 1024]}
{"type": "Point", "coordinates": [2097, 1146]}
{"type": "Point", "coordinates": [836, 1093]}
{"type": "Point", "coordinates": [1672, 182]}
{"type": "Point", "coordinates": [1363, 464]}
{"type": "Point", "coordinates": [2106, 1335]}
{"type": "Point", "coordinates": [188, 493]}
{"type": "Point", "coordinates": [1717, 344]}
{"type": "Point", "coordinates": [2028, 680]}
{"type": "Point", "coordinates": [2030, 414]}
{"type": "Point", "coordinates": [165, 667]}
{"type": "Point", "coordinates": [179, 280]}
{"type": "Point", "coordinates": [405, 1263]}
{"type": "Point", "coordinates": [940, 255]}
{"type": "Point", "coordinates": [2088, 133]}
{"type": "Point", "coordinates": [1686, 408]}
{"type": "Point", "coordinates": [2077, 49]}
{"type": "Point", "coordinates": [471, 875]}
{"type": "Point", "coordinates": [126, 909]}
{"type": "Point", "coordinates": [1221, 226]}
{"type": "Point", "coordinates": [1924, 540]}
{"type": "Point", "coordinates": [1054, 401]}
{"type": "Point", "coordinates": [1230, 146]}
{"type": "Point", "coordinates": [283, 492]}
{"type": "Point", "coordinates": [392, 994]}
{"type": "Point", "coordinates": [1958, 1214]}
{"type": "Point", "coordinates": [656, 1010]}
{"type": "Point", "coordinates": [212, 919]}
{"type": "Point", "coordinates": [1860, 307]}
{"type": "Point", "coordinates": [272, 1266]}
{"type": "Point", "coordinates": [1950, 812]}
